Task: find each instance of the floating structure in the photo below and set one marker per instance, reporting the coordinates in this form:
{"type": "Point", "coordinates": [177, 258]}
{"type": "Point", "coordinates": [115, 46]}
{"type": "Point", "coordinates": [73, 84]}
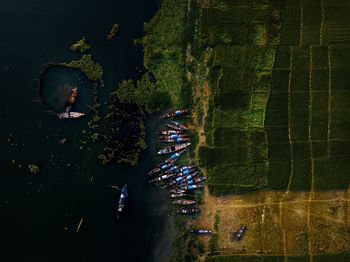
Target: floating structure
{"type": "Point", "coordinates": [172, 132]}
{"type": "Point", "coordinates": [188, 211]}
{"type": "Point", "coordinates": [175, 140]}
{"type": "Point", "coordinates": [176, 113]}
{"type": "Point", "coordinates": [176, 126]}
{"type": "Point", "coordinates": [161, 168]}
{"type": "Point", "coordinates": [184, 202]}
{"type": "Point", "coordinates": [202, 232]}
{"type": "Point", "coordinates": [172, 149]}
{"type": "Point", "coordinates": [177, 195]}
{"type": "Point", "coordinates": [122, 200]}
{"type": "Point", "coordinates": [239, 234]}
{"type": "Point", "coordinates": [70, 115]}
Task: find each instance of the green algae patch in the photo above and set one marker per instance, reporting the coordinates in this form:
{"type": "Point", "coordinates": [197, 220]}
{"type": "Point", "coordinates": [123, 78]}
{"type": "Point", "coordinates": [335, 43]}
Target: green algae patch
{"type": "Point", "coordinates": [92, 69]}
{"type": "Point", "coordinates": [34, 169]}
{"type": "Point", "coordinates": [80, 46]}
{"type": "Point", "coordinates": [113, 33]}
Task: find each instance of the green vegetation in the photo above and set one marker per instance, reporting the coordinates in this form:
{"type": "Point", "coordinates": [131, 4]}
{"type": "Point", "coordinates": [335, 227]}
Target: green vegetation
{"type": "Point", "coordinates": [145, 94]}
{"type": "Point", "coordinates": [213, 242]}
{"type": "Point", "coordinates": [33, 168]}
{"type": "Point", "coordinates": [80, 46]}
{"type": "Point", "coordinates": [165, 51]}
{"type": "Point", "coordinates": [93, 70]}
{"type": "Point", "coordinates": [113, 32]}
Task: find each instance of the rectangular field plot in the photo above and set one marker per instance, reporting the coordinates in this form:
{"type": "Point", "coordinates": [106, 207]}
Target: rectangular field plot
{"type": "Point", "coordinates": [340, 131]}
{"type": "Point", "coordinates": [339, 149]}
{"type": "Point", "coordinates": [333, 173]}
{"type": "Point", "coordinates": [320, 58]}
{"type": "Point", "coordinates": [238, 100]}
{"type": "Point", "coordinates": [340, 79]}
{"type": "Point", "coordinates": [276, 118]}
{"type": "Point", "coordinates": [290, 34]}
{"type": "Point", "coordinates": [233, 56]}
{"type": "Point", "coordinates": [299, 125]}
{"type": "Point", "coordinates": [319, 131]}
{"type": "Point", "coordinates": [279, 173]}
{"type": "Point", "coordinates": [280, 152]}
{"type": "Point", "coordinates": [336, 11]}
{"type": "Point", "coordinates": [277, 135]}
{"type": "Point", "coordinates": [319, 80]}
{"type": "Point", "coordinates": [280, 80]}
{"type": "Point", "coordinates": [311, 34]}
{"type": "Point", "coordinates": [278, 100]}
{"type": "Point", "coordinates": [320, 149]}
{"type": "Point", "coordinates": [300, 79]}
{"type": "Point", "coordinates": [211, 157]}
{"type": "Point", "coordinates": [340, 115]}
{"type": "Point", "coordinates": [235, 79]}
{"type": "Point", "coordinates": [340, 99]}
{"type": "Point", "coordinates": [283, 57]}
{"type": "Point", "coordinates": [312, 12]}
{"type": "Point", "coordinates": [340, 57]}
{"type": "Point", "coordinates": [291, 14]}
{"type": "Point", "coordinates": [230, 137]}
{"type": "Point", "coordinates": [301, 180]}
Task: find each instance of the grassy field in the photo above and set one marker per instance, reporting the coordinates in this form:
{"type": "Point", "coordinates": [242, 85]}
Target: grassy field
{"type": "Point", "coordinates": [277, 117]}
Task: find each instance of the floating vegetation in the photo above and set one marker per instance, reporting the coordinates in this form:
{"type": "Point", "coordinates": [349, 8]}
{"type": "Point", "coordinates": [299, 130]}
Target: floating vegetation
{"type": "Point", "coordinates": [125, 133]}
{"type": "Point", "coordinates": [34, 169]}
{"type": "Point", "coordinates": [112, 34]}
{"type": "Point", "coordinates": [80, 46]}
{"type": "Point", "coordinates": [92, 69]}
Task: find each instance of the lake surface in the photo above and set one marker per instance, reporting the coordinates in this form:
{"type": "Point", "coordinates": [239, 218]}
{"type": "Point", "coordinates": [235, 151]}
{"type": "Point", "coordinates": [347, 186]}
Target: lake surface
{"type": "Point", "coordinates": [39, 213]}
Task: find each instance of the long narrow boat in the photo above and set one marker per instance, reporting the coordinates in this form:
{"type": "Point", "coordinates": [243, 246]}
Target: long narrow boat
{"type": "Point", "coordinates": [171, 132]}
{"type": "Point", "coordinates": [184, 202]}
{"type": "Point", "coordinates": [188, 211]}
{"type": "Point", "coordinates": [122, 200]}
{"type": "Point", "coordinates": [176, 191]}
{"type": "Point", "coordinates": [174, 148]}
{"type": "Point", "coordinates": [174, 157]}
{"type": "Point", "coordinates": [176, 125]}
{"type": "Point", "coordinates": [178, 195]}
{"type": "Point", "coordinates": [181, 179]}
{"type": "Point", "coordinates": [161, 178]}
{"type": "Point", "coordinates": [191, 187]}
{"type": "Point", "coordinates": [238, 235]}
{"type": "Point", "coordinates": [193, 181]}
{"type": "Point", "coordinates": [175, 113]}
{"type": "Point", "coordinates": [161, 168]}
{"type": "Point", "coordinates": [202, 232]}
{"type": "Point", "coordinates": [181, 169]}
{"type": "Point", "coordinates": [70, 115]}
{"type": "Point", "coordinates": [173, 136]}
{"type": "Point", "coordinates": [175, 140]}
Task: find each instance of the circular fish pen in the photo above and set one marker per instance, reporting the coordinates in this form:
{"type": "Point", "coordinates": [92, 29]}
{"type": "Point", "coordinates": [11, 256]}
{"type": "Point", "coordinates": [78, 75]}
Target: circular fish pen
{"type": "Point", "coordinates": [57, 82]}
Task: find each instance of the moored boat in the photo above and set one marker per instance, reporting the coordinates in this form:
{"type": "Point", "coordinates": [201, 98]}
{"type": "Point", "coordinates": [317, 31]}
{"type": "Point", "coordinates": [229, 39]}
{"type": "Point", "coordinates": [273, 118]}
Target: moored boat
{"type": "Point", "coordinates": [174, 148]}
{"type": "Point", "coordinates": [175, 113]}
{"type": "Point", "coordinates": [191, 187]}
{"type": "Point", "coordinates": [238, 235]}
{"type": "Point", "coordinates": [70, 115]}
{"type": "Point", "coordinates": [173, 136]}
{"type": "Point", "coordinates": [176, 191]}
{"type": "Point", "coordinates": [72, 97]}
{"type": "Point", "coordinates": [122, 200]}
{"type": "Point", "coordinates": [171, 132]}
{"type": "Point", "coordinates": [188, 211]}
{"type": "Point", "coordinates": [202, 232]}
{"type": "Point", "coordinates": [176, 125]}
{"type": "Point", "coordinates": [163, 167]}
{"type": "Point", "coordinates": [184, 202]}
{"type": "Point", "coordinates": [177, 195]}
{"type": "Point", "coordinates": [181, 179]}
{"type": "Point", "coordinates": [185, 170]}
{"type": "Point", "coordinates": [193, 181]}
{"type": "Point", "coordinates": [175, 140]}
{"type": "Point", "coordinates": [175, 156]}
{"type": "Point", "coordinates": [161, 178]}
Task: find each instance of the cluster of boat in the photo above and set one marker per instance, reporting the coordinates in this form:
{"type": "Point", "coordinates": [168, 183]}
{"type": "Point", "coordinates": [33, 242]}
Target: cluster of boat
{"type": "Point", "coordinates": [180, 180]}
{"type": "Point", "coordinates": [69, 114]}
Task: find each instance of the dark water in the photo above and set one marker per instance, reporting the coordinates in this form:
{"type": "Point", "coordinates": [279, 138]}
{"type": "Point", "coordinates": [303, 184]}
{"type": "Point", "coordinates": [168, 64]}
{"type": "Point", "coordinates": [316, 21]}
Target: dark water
{"type": "Point", "coordinates": [39, 213]}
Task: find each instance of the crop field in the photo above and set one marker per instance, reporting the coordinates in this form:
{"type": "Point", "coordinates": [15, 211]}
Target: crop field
{"type": "Point", "coordinates": [278, 120]}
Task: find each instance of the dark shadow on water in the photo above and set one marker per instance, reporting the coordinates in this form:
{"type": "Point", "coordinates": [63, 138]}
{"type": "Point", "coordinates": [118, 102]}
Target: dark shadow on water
{"type": "Point", "coordinates": [56, 84]}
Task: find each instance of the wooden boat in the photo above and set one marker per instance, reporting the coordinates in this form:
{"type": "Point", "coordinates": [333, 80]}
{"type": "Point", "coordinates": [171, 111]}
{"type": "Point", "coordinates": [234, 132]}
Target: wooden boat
{"type": "Point", "coordinates": [185, 170]}
{"type": "Point", "coordinates": [174, 148]}
{"type": "Point", "coordinates": [122, 200]}
{"type": "Point", "coordinates": [161, 178]}
{"type": "Point", "coordinates": [184, 202]}
{"type": "Point", "coordinates": [161, 168]}
{"type": "Point", "coordinates": [193, 181]}
{"type": "Point", "coordinates": [177, 191]}
{"type": "Point", "coordinates": [188, 211]}
{"type": "Point", "coordinates": [175, 113]}
{"type": "Point", "coordinates": [70, 115]}
{"type": "Point", "coordinates": [172, 136]}
{"type": "Point", "coordinates": [191, 187]}
{"type": "Point", "coordinates": [171, 132]}
{"type": "Point", "coordinates": [72, 97]}
{"type": "Point", "coordinates": [238, 235]}
{"type": "Point", "coordinates": [182, 178]}
{"type": "Point", "coordinates": [202, 232]}
{"type": "Point", "coordinates": [178, 195]}
{"type": "Point", "coordinates": [176, 126]}
{"type": "Point", "coordinates": [175, 140]}
{"type": "Point", "coordinates": [174, 157]}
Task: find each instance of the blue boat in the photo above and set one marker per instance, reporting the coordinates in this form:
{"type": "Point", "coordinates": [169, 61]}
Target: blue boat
{"type": "Point", "coordinates": [122, 200]}
{"type": "Point", "coordinates": [238, 235]}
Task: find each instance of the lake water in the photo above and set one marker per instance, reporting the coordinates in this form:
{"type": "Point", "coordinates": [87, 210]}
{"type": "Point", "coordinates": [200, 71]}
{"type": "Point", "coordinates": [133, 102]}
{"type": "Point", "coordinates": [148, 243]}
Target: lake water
{"type": "Point", "coordinates": [39, 213]}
